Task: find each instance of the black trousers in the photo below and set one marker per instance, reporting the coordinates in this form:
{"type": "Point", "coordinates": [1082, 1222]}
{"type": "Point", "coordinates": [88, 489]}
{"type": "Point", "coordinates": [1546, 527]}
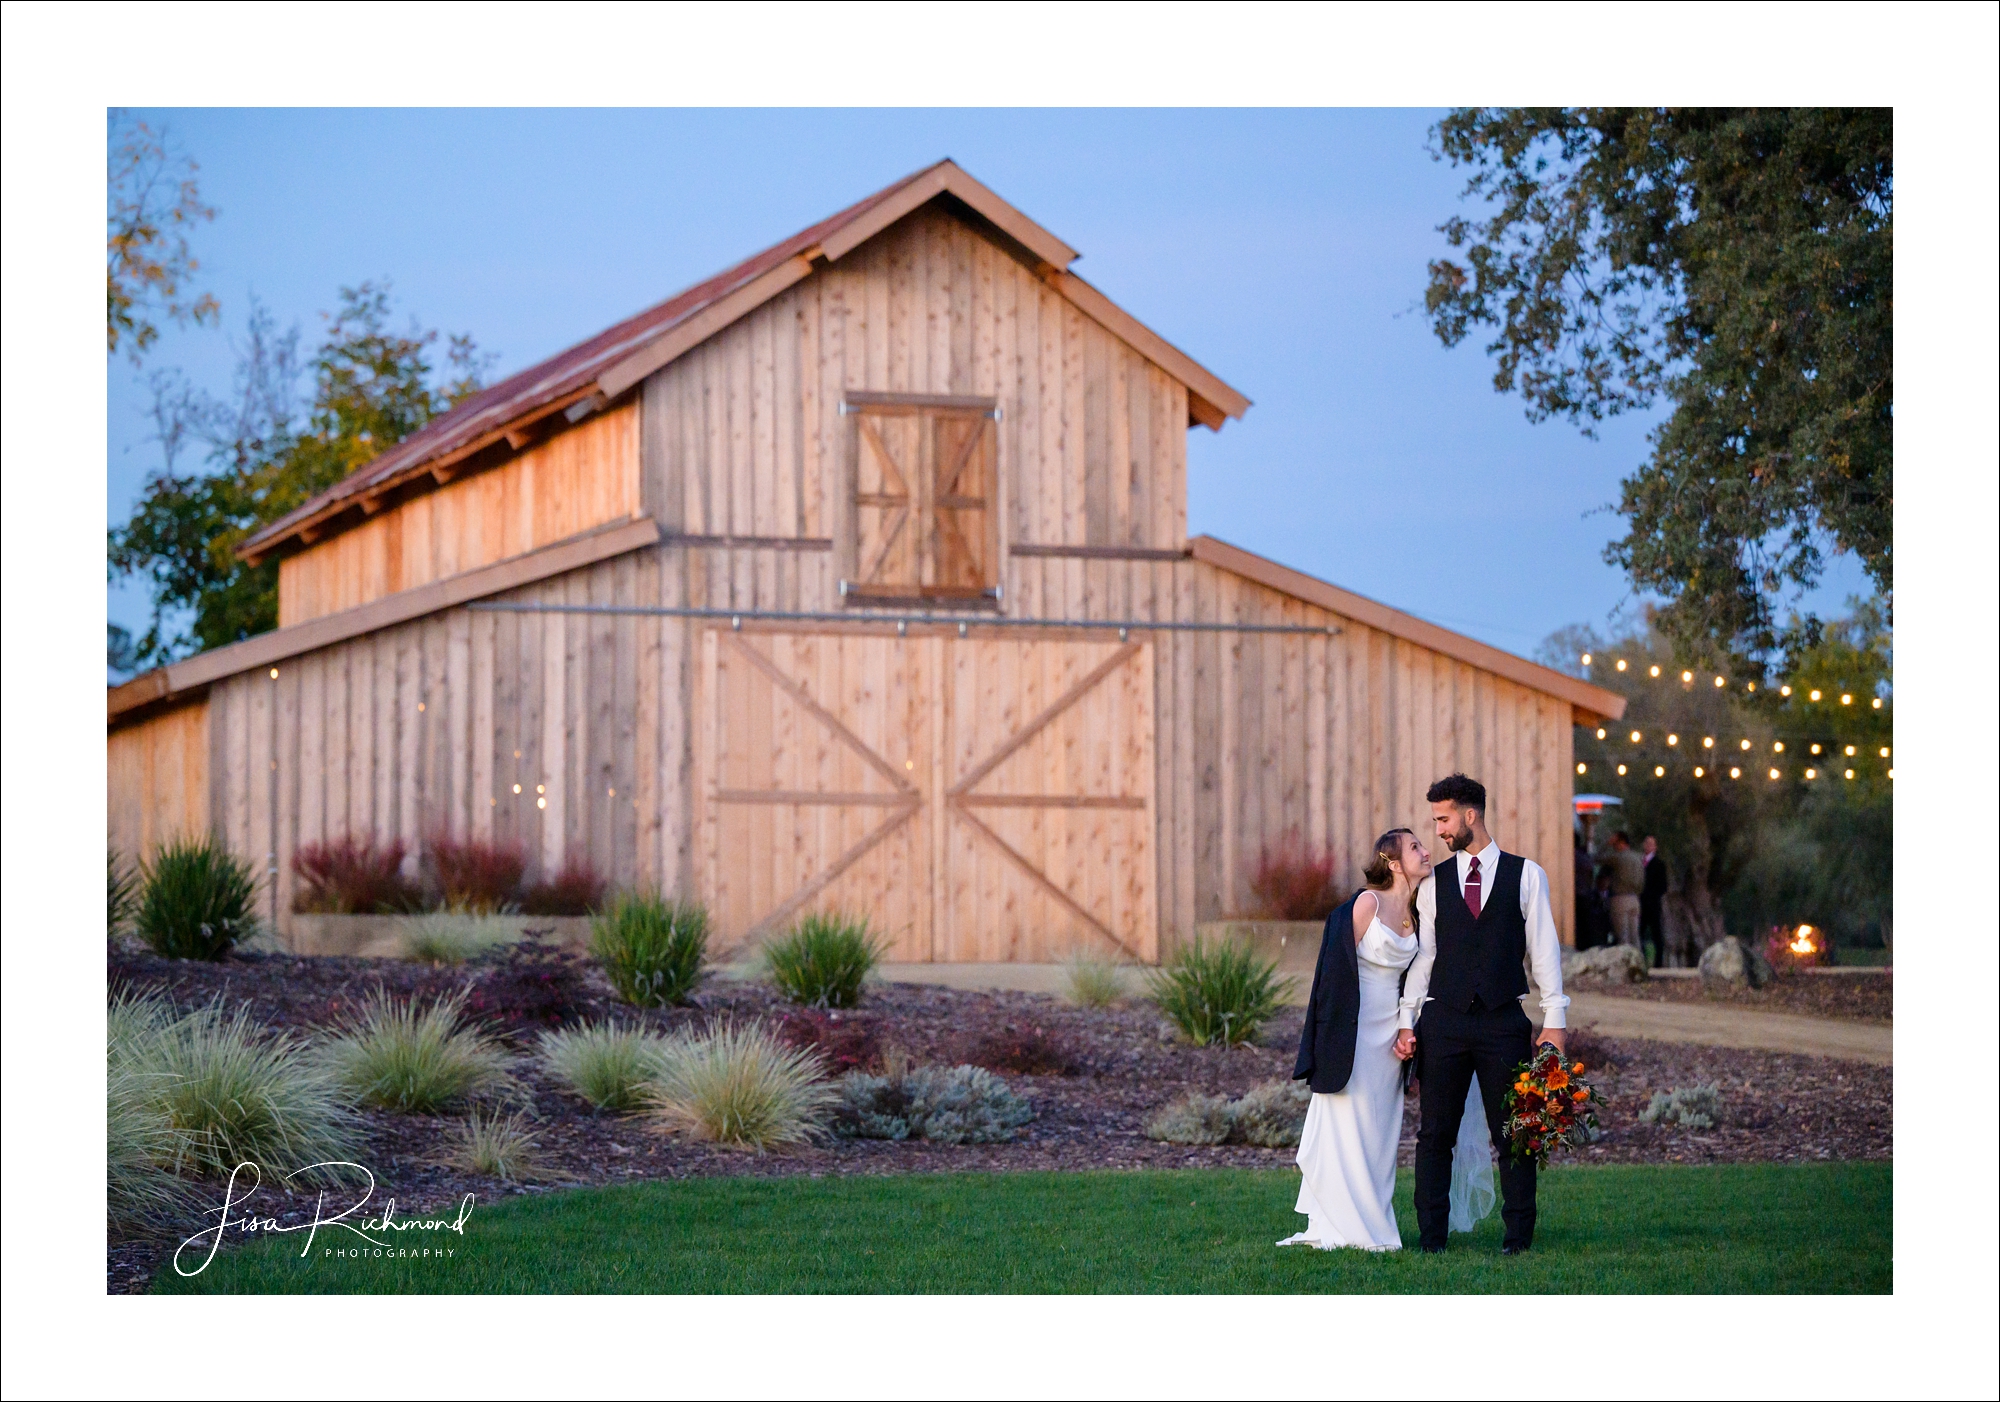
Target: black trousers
{"type": "Point", "coordinates": [1652, 930]}
{"type": "Point", "coordinates": [1451, 1047]}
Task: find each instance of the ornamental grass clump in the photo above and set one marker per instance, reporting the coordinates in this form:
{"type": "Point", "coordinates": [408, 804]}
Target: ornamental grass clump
{"type": "Point", "coordinates": [1094, 983]}
{"type": "Point", "coordinates": [611, 1067]}
{"type": "Point", "coordinates": [651, 948]}
{"type": "Point", "coordinates": [1218, 992]}
{"type": "Point", "coordinates": [944, 1104]}
{"type": "Point", "coordinates": [400, 1057]}
{"type": "Point", "coordinates": [141, 1144]}
{"type": "Point", "coordinates": [498, 1144]}
{"type": "Point", "coordinates": [444, 939]}
{"type": "Point", "coordinates": [196, 900]}
{"type": "Point", "coordinates": [346, 876]}
{"type": "Point", "coordinates": [738, 1084]}
{"type": "Point", "coordinates": [823, 959]}
{"type": "Point", "coordinates": [229, 1092]}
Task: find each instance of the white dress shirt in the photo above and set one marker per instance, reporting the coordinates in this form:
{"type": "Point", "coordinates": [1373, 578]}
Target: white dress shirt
{"type": "Point", "coordinates": [1544, 945]}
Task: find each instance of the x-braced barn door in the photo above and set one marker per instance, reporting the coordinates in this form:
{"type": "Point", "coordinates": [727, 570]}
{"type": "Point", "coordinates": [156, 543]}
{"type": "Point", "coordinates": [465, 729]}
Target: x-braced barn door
{"type": "Point", "coordinates": [980, 799]}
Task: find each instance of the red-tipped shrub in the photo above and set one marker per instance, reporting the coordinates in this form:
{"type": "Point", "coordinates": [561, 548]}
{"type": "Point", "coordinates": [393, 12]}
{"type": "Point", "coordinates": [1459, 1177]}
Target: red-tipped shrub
{"type": "Point", "coordinates": [846, 1041]}
{"type": "Point", "coordinates": [1294, 882]}
{"type": "Point", "coordinates": [575, 890]}
{"type": "Point", "coordinates": [1023, 1051]}
{"type": "Point", "coordinates": [478, 878]}
{"type": "Point", "coordinates": [344, 877]}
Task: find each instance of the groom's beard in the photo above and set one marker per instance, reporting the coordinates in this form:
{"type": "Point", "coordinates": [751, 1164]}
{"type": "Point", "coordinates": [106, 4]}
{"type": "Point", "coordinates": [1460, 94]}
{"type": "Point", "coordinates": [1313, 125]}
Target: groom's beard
{"type": "Point", "coordinates": [1459, 841]}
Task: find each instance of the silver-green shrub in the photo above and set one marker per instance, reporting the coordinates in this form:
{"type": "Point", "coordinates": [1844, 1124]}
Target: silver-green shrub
{"type": "Point", "coordinates": [944, 1104]}
{"type": "Point", "coordinates": [398, 1057]}
{"type": "Point", "coordinates": [1193, 1118]}
{"type": "Point", "coordinates": [1691, 1107]}
{"type": "Point", "coordinates": [611, 1067]}
{"type": "Point", "coordinates": [740, 1085]}
{"type": "Point", "coordinates": [1272, 1115]}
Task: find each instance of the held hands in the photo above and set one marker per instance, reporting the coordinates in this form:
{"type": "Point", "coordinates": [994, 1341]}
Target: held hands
{"type": "Point", "coordinates": [1405, 1045]}
{"type": "Point", "coordinates": [1555, 1037]}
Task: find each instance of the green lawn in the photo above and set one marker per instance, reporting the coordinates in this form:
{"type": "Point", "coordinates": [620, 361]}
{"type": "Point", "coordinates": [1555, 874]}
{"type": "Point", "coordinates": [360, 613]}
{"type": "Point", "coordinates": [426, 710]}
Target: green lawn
{"type": "Point", "coordinates": [1740, 1228]}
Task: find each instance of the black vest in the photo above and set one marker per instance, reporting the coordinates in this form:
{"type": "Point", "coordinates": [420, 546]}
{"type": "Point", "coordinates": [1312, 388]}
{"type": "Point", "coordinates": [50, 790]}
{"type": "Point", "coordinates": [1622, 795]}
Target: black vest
{"type": "Point", "coordinates": [1480, 958]}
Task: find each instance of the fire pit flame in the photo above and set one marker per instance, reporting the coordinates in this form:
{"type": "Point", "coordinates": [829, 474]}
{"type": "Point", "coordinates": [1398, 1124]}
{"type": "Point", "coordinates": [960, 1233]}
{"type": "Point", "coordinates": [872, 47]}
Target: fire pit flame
{"type": "Point", "coordinates": [1802, 941]}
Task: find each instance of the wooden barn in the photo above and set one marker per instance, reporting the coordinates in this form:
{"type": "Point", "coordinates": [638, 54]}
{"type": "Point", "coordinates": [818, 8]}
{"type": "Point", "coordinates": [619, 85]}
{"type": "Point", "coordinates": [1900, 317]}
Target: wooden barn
{"type": "Point", "coordinates": [856, 576]}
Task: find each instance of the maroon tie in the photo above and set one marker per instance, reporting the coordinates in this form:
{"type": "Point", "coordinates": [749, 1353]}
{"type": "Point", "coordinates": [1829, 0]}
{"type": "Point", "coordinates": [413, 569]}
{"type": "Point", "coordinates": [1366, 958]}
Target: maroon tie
{"type": "Point", "coordinates": [1473, 889]}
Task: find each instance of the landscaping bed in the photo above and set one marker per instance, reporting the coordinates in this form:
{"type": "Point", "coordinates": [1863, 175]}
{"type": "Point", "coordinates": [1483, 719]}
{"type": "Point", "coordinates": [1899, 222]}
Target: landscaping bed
{"type": "Point", "coordinates": [1859, 997]}
{"type": "Point", "coordinates": [1124, 1064]}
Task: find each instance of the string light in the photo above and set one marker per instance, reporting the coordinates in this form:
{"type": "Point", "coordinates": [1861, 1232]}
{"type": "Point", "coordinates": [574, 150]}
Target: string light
{"type": "Point", "coordinates": [1784, 691]}
{"type": "Point", "coordinates": [1708, 742]}
{"type": "Point", "coordinates": [1850, 749]}
{"type": "Point", "coordinates": [1586, 659]}
{"type": "Point", "coordinates": [1621, 769]}
{"type": "Point", "coordinates": [1734, 772]}
{"type": "Point", "coordinates": [1746, 744]}
{"type": "Point", "coordinates": [274, 674]}
{"type": "Point", "coordinates": [1583, 769]}
{"type": "Point", "coordinates": [1749, 686]}
{"type": "Point", "coordinates": [1845, 699]}
{"type": "Point", "coordinates": [1659, 771]}
{"type": "Point", "coordinates": [1697, 771]}
{"type": "Point", "coordinates": [541, 788]}
{"type": "Point", "coordinates": [1774, 773]}
{"type": "Point", "coordinates": [1812, 773]}
{"type": "Point", "coordinates": [517, 788]}
{"type": "Point", "coordinates": [1687, 676]}
{"type": "Point", "coordinates": [1635, 737]}
{"type": "Point", "coordinates": [1673, 739]}
{"type": "Point", "coordinates": [1850, 773]}
{"type": "Point", "coordinates": [1877, 703]}
{"type": "Point", "coordinates": [1814, 696]}
{"type": "Point", "coordinates": [1655, 669]}
{"type": "Point", "coordinates": [1885, 752]}
{"type": "Point", "coordinates": [541, 803]}
{"type": "Point", "coordinates": [1892, 773]}
{"type": "Point", "coordinates": [1621, 664]}
{"type": "Point", "coordinates": [1777, 747]}
{"type": "Point", "coordinates": [1815, 749]}
{"type": "Point", "coordinates": [1720, 682]}
{"type": "Point", "coordinates": [420, 705]}
{"type": "Point", "coordinates": [1600, 732]}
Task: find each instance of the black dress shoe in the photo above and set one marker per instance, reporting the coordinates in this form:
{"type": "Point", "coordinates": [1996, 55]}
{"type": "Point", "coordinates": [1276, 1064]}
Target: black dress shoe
{"type": "Point", "coordinates": [1513, 1251]}
{"type": "Point", "coordinates": [1431, 1250]}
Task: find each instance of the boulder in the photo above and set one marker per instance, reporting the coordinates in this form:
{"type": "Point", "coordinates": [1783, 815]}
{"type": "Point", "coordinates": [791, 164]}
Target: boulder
{"type": "Point", "coordinates": [1726, 961]}
{"type": "Point", "coordinates": [1617, 963]}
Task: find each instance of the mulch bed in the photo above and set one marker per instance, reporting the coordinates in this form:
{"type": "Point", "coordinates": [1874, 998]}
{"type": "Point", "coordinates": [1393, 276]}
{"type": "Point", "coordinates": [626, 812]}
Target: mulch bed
{"type": "Point", "coordinates": [1865, 997]}
{"type": "Point", "coordinates": [1126, 1063]}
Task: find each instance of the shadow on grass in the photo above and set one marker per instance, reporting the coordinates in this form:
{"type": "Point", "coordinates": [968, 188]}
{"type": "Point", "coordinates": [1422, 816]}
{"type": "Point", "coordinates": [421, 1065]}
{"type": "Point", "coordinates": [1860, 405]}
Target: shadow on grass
{"type": "Point", "coordinates": [1730, 1229]}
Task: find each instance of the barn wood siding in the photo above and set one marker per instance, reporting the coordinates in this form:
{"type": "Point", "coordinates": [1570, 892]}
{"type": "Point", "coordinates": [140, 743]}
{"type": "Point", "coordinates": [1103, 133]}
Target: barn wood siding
{"type": "Point", "coordinates": [583, 477]}
{"type": "Point", "coordinates": [158, 780]}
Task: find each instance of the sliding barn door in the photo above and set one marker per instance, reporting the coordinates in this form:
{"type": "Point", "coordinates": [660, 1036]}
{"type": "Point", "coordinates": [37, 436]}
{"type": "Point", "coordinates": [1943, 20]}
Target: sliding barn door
{"type": "Point", "coordinates": [979, 799]}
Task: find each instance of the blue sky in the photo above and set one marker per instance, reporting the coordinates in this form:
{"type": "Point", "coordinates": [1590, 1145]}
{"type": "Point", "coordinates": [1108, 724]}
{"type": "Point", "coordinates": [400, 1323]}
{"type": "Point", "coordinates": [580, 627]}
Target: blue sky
{"type": "Point", "coordinates": [1285, 250]}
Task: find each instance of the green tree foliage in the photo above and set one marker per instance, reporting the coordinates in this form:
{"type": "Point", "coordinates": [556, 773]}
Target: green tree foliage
{"type": "Point", "coordinates": [1750, 852]}
{"type": "Point", "coordinates": [1737, 262]}
{"type": "Point", "coordinates": [270, 449]}
{"type": "Point", "coordinates": [152, 200]}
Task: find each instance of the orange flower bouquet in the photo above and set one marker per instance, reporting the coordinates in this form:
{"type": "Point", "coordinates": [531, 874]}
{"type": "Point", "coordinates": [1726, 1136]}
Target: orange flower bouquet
{"type": "Point", "coordinates": [1549, 1105]}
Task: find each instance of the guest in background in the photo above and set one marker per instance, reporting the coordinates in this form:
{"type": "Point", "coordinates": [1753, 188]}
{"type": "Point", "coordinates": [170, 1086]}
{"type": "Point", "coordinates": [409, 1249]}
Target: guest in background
{"type": "Point", "coordinates": [1652, 899]}
{"type": "Point", "coordinates": [1627, 870]}
{"type": "Point", "coordinates": [1586, 937]}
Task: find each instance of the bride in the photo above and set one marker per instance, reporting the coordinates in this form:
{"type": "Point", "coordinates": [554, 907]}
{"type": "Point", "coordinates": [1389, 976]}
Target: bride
{"type": "Point", "coordinates": [1347, 1152]}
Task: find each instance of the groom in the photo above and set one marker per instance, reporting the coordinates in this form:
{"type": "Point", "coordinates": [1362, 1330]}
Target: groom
{"type": "Point", "coordinates": [1482, 914]}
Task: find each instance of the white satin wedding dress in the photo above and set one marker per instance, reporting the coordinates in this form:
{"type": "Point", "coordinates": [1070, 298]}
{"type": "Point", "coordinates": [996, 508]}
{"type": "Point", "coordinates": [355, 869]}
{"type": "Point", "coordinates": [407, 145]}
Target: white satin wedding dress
{"type": "Point", "coordinates": [1347, 1151]}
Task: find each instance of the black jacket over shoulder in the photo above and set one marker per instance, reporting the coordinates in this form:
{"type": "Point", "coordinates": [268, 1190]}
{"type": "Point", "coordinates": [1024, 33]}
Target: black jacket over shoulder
{"type": "Point", "coordinates": [1333, 1013]}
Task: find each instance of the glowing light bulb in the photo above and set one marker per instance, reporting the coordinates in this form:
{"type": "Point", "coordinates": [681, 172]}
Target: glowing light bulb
{"type": "Point", "coordinates": [1586, 659]}
{"type": "Point", "coordinates": [1784, 691]}
{"type": "Point", "coordinates": [1812, 773]}
{"type": "Point", "coordinates": [1774, 773]}
{"type": "Point", "coordinates": [1850, 749]}
{"type": "Point", "coordinates": [1734, 772]}
{"type": "Point", "coordinates": [1813, 695]}
{"type": "Point", "coordinates": [1621, 664]}
{"type": "Point", "coordinates": [1673, 739]}
{"type": "Point", "coordinates": [1845, 699]}
{"type": "Point", "coordinates": [1659, 771]}
{"type": "Point", "coordinates": [1635, 737]}
{"type": "Point", "coordinates": [1708, 742]}
{"type": "Point", "coordinates": [1850, 773]}
{"type": "Point", "coordinates": [1778, 747]}
{"type": "Point", "coordinates": [1876, 703]}
{"type": "Point", "coordinates": [1583, 769]}
{"type": "Point", "coordinates": [541, 803]}
{"type": "Point", "coordinates": [1621, 769]}
{"type": "Point", "coordinates": [1600, 732]}
{"type": "Point", "coordinates": [1687, 676]}
{"type": "Point", "coordinates": [274, 674]}
{"type": "Point", "coordinates": [1655, 669]}
{"type": "Point", "coordinates": [1749, 686]}
{"type": "Point", "coordinates": [611, 793]}
{"type": "Point", "coordinates": [1746, 744]}
{"type": "Point", "coordinates": [541, 788]}
{"type": "Point", "coordinates": [1885, 752]}
{"type": "Point", "coordinates": [517, 788]}
{"type": "Point", "coordinates": [1719, 681]}
{"type": "Point", "coordinates": [1697, 771]}
{"type": "Point", "coordinates": [1892, 773]}
{"type": "Point", "coordinates": [1815, 749]}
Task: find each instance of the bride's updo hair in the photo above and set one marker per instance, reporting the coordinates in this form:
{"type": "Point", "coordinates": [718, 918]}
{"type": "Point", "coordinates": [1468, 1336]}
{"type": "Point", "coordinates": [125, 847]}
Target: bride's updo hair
{"type": "Point", "coordinates": [1388, 848]}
